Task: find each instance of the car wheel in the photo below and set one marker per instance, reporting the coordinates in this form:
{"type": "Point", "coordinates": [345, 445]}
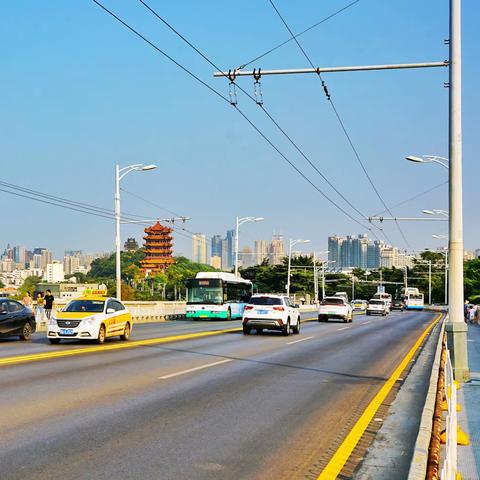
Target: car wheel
{"type": "Point", "coordinates": [26, 332]}
{"type": "Point", "coordinates": [101, 334]}
{"type": "Point", "coordinates": [126, 332]}
{"type": "Point", "coordinates": [351, 318]}
{"type": "Point", "coordinates": [368, 313]}
{"type": "Point", "coordinates": [296, 328]}
{"type": "Point", "coordinates": [259, 330]}
{"type": "Point", "coordinates": [286, 329]}
{"type": "Point", "coordinates": [246, 330]}
{"type": "Point", "coordinates": [54, 341]}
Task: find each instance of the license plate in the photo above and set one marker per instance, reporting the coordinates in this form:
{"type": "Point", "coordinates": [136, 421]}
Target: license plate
{"type": "Point", "coordinates": [332, 313]}
{"type": "Point", "coordinates": [262, 312]}
{"type": "Point", "coordinates": [66, 331]}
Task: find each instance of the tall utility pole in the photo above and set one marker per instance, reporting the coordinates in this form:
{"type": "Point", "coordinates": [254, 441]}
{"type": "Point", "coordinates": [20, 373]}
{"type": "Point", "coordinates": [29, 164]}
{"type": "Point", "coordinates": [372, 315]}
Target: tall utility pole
{"type": "Point", "coordinates": [315, 278]}
{"type": "Point", "coordinates": [456, 327]}
{"type": "Point", "coordinates": [429, 282]}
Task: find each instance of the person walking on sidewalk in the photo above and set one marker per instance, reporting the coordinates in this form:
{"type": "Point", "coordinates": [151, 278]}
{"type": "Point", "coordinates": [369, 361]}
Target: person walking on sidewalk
{"type": "Point", "coordinates": [27, 300]}
{"type": "Point", "coordinates": [40, 310]}
{"type": "Point", "coordinates": [472, 310]}
{"type": "Point", "coordinates": [49, 299]}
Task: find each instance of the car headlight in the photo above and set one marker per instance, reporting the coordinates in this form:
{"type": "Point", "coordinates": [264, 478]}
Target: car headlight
{"type": "Point", "coordinates": [52, 321]}
{"type": "Point", "coordinates": [88, 321]}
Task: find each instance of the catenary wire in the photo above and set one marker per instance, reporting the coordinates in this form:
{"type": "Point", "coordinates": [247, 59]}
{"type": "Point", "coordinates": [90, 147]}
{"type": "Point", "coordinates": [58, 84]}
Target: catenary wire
{"type": "Point", "coordinates": [265, 111]}
{"type": "Point", "coordinates": [133, 30]}
{"type": "Point", "coordinates": [418, 195]}
{"type": "Point", "coordinates": [341, 122]}
{"type": "Point", "coordinates": [351, 4]}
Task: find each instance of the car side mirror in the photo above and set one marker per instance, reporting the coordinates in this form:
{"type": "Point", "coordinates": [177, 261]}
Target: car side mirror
{"type": "Point", "coordinates": [110, 310]}
{"type": "Point", "coordinates": [296, 305]}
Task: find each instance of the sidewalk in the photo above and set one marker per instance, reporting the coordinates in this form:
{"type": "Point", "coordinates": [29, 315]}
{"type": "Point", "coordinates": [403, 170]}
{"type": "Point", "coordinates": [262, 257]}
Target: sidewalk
{"type": "Point", "coordinates": [469, 416]}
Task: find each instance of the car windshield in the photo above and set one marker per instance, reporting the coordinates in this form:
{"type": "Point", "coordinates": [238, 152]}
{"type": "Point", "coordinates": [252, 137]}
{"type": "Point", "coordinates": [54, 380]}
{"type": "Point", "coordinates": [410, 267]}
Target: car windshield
{"type": "Point", "coordinates": [85, 306]}
{"type": "Point", "coordinates": [265, 301]}
{"type": "Point", "coordinates": [332, 301]}
{"type": "Point", "coordinates": [376, 302]}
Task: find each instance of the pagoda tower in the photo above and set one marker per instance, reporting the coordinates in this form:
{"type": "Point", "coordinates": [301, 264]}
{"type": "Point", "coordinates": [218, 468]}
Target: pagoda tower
{"type": "Point", "coordinates": [158, 249]}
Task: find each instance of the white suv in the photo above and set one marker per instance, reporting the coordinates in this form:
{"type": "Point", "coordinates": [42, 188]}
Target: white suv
{"type": "Point", "coordinates": [273, 312]}
{"type": "Point", "coordinates": [377, 307]}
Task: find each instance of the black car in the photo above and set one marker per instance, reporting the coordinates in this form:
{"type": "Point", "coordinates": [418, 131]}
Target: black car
{"type": "Point", "coordinates": [397, 305]}
{"type": "Point", "coordinates": [16, 319]}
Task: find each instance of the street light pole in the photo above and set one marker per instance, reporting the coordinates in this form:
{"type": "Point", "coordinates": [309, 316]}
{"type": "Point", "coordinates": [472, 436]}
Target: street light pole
{"type": "Point", "coordinates": [292, 243]}
{"type": "Point", "coordinates": [456, 327]}
{"type": "Point", "coordinates": [241, 221]}
{"type": "Point", "coordinates": [315, 278]}
{"type": "Point", "coordinates": [119, 174]}
{"type": "Point", "coordinates": [429, 282]}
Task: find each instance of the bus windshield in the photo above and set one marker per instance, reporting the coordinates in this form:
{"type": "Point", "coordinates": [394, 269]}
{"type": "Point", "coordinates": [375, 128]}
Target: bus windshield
{"type": "Point", "coordinates": [205, 292]}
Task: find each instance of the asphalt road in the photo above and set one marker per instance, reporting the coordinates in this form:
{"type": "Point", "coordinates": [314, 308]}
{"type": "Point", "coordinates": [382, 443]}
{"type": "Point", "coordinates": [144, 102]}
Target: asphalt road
{"type": "Point", "coordinates": [220, 407]}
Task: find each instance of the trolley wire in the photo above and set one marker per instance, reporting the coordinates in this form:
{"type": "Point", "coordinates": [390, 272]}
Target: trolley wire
{"type": "Point", "coordinates": [351, 4]}
{"type": "Point", "coordinates": [218, 94]}
{"type": "Point", "coordinates": [340, 120]}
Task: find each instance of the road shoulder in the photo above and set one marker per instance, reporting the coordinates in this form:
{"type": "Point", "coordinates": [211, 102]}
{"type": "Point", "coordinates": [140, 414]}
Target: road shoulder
{"type": "Point", "coordinates": [389, 456]}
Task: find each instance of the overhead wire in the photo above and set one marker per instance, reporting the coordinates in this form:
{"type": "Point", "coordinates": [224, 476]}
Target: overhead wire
{"type": "Point", "coordinates": [323, 20]}
{"type": "Point", "coordinates": [418, 195]}
{"type": "Point", "coordinates": [218, 94]}
{"type": "Point", "coordinates": [337, 114]}
{"type": "Point", "coordinates": [265, 111]}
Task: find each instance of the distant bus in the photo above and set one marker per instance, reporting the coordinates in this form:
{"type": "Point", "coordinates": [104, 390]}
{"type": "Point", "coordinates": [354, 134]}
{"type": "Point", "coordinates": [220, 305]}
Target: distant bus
{"type": "Point", "coordinates": [217, 295]}
{"type": "Point", "coordinates": [413, 300]}
{"type": "Point", "coordinates": [384, 296]}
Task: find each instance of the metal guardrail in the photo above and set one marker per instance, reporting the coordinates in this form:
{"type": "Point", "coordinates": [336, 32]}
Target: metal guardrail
{"type": "Point", "coordinates": [418, 465]}
{"type": "Point", "coordinates": [449, 467]}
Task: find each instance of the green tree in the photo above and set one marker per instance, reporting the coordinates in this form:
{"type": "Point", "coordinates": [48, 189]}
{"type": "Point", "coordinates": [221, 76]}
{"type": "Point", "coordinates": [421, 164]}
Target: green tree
{"type": "Point", "coordinates": [29, 285]}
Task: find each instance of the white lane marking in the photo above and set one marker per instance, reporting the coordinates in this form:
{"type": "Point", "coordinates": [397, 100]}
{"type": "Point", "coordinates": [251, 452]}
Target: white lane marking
{"type": "Point", "coordinates": [343, 328]}
{"type": "Point", "coordinates": [194, 369]}
{"type": "Point", "coordinates": [297, 341]}
{"type": "Point", "coordinates": [365, 323]}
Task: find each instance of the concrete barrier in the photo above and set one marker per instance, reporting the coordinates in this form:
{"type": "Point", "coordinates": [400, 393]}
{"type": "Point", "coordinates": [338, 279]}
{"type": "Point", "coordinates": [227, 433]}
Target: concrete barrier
{"type": "Point", "coordinates": [151, 312]}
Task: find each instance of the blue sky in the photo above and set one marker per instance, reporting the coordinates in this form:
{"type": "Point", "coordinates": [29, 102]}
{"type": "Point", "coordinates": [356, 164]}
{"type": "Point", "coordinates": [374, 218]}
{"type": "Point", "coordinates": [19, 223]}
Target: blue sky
{"type": "Point", "coordinates": [81, 93]}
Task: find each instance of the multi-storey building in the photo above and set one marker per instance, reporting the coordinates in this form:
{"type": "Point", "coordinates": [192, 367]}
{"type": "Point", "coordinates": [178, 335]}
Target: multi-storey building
{"type": "Point", "coordinates": [199, 248]}
{"type": "Point", "coordinates": [261, 251]}
{"type": "Point", "coordinates": [276, 250]}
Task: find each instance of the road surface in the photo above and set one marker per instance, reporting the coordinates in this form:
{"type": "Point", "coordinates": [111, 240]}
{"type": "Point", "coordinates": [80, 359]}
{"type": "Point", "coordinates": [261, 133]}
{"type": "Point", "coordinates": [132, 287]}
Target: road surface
{"type": "Point", "coordinates": [227, 406]}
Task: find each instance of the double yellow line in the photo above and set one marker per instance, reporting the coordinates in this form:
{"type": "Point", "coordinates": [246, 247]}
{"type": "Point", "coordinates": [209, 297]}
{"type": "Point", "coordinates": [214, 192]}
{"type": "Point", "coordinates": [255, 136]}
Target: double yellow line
{"type": "Point", "coordinates": [106, 348]}
{"type": "Point", "coordinates": [340, 457]}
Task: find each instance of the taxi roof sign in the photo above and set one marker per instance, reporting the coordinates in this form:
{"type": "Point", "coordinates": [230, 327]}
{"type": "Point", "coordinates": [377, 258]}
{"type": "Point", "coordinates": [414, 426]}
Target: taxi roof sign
{"type": "Point", "coordinates": [94, 293]}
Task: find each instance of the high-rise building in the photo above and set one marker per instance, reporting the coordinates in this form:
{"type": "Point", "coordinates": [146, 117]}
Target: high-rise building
{"type": "Point", "coordinates": [199, 248]}
{"type": "Point", "coordinates": [19, 254]}
{"type": "Point", "coordinates": [47, 257]}
{"type": "Point", "coordinates": [276, 250]}
{"type": "Point", "coordinates": [37, 260]}
{"type": "Point", "coordinates": [261, 251]}
{"type": "Point", "coordinates": [228, 254]}
{"type": "Point", "coordinates": [216, 246]}
{"type": "Point", "coordinates": [54, 273]}
{"type": "Point", "coordinates": [71, 264]}
{"type": "Point", "coordinates": [246, 257]}
{"type": "Point", "coordinates": [334, 247]}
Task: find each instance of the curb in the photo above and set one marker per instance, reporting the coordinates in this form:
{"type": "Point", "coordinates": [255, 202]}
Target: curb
{"type": "Point", "coordinates": [418, 466]}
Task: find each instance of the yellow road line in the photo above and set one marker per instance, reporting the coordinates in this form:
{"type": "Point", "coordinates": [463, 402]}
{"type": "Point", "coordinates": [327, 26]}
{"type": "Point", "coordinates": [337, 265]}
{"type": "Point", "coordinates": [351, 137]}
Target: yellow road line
{"type": "Point", "coordinates": [117, 346]}
{"type": "Point", "coordinates": [340, 457]}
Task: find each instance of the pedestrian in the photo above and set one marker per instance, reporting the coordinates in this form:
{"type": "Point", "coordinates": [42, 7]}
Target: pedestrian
{"type": "Point", "coordinates": [49, 299]}
{"type": "Point", "coordinates": [40, 310]}
{"type": "Point", "coordinates": [471, 314]}
{"type": "Point", "coordinates": [27, 300]}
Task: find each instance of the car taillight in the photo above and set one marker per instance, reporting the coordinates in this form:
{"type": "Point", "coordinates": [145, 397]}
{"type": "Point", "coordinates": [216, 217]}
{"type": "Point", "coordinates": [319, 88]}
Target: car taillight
{"type": "Point", "coordinates": [248, 307]}
{"type": "Point", "coordinates": [279, 309]}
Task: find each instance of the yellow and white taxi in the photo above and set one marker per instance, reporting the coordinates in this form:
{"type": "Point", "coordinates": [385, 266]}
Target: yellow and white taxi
{"type": "Point", "coordinates": [90, 318]}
